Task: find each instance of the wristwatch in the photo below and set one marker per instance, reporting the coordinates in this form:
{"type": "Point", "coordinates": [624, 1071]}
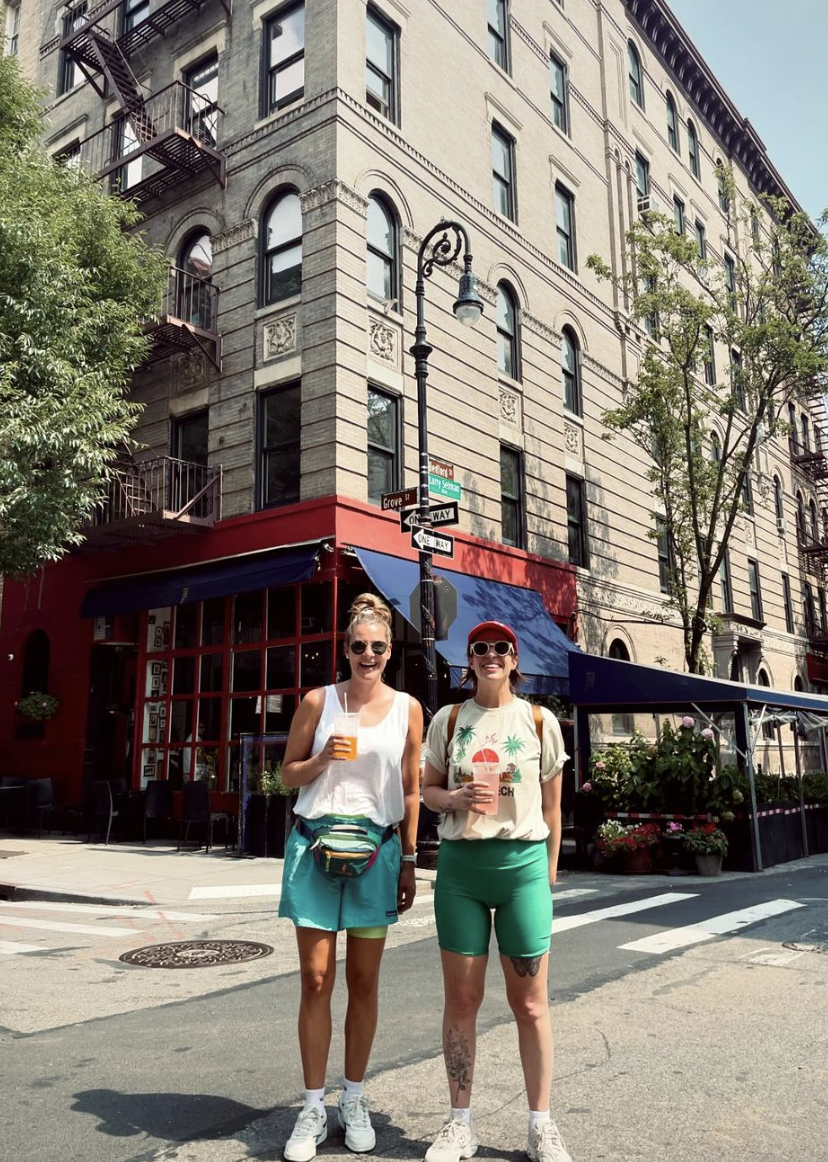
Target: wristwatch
{"type": "Point", "coordinates": [409, 858]}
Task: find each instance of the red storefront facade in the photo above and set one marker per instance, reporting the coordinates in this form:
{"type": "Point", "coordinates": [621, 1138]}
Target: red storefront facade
{"type": "Point", "coordinates": [166, 691]}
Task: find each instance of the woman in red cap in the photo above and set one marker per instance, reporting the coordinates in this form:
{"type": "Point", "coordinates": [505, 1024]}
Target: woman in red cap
{"type": "Point", "coordinates": [492, 771]}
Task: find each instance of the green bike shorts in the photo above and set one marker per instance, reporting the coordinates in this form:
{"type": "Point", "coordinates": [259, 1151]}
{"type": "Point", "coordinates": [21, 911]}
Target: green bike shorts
{"type": "Point", "coordinates": [476, 877]}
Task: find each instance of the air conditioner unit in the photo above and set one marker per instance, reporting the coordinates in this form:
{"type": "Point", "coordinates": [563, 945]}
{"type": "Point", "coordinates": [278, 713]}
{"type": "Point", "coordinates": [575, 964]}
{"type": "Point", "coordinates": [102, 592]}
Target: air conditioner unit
{"type": "Point", "coordinates": [648, 205]}
{"type": "Point", "coordinates": [781, 525]}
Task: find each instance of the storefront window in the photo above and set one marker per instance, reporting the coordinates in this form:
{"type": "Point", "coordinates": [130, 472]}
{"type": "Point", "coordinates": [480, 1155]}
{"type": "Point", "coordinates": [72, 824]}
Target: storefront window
{"type": "Point", "coordinates": [247, 618]}
{"type": "Point", "coordinates": [247, 670]}
{"type": "Point", "coordinates": [186, 627]}
{"type": "Point", "coordinates": [315, 663]}
{"type": "Point", "coordinates": [212, 621]}
{"type": "Point", "coordinates": [281, 667]}
{"type": "Point", "coordinates": [281, 613]}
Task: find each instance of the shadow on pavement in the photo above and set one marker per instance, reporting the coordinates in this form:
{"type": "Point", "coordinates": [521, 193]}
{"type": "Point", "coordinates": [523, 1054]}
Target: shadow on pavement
{"type": "Point", "coordinates": [171, 1117]}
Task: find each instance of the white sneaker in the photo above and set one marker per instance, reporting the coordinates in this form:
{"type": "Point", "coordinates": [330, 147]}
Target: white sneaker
{"type": "Point", "coordinates": [545, 1144]}
{"type": "Point", "coordinates": [310, 1131]}
{"type": "Point", "coordinates": [455, 1140]}
{"type": "Point", "coordinates": [356, 1122]}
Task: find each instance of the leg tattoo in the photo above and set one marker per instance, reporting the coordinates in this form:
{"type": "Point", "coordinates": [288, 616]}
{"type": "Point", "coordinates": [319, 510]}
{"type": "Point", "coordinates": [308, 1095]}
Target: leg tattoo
{"type": "Point", "coordinates": [458, 1059]}
{"type": "Point", "coordinates": [526, 965]}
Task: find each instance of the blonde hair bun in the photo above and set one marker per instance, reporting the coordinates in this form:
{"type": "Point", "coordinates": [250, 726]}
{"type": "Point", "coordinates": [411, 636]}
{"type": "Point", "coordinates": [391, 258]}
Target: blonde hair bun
{"type": "Point", "coordinates": [368, 607]}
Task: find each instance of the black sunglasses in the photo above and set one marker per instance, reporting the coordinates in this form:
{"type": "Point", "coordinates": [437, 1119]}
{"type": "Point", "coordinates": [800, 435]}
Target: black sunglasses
{"type": "Point", "coordinates": [361, 647]}
{"type": "Point", "coordinates": [480, 649]}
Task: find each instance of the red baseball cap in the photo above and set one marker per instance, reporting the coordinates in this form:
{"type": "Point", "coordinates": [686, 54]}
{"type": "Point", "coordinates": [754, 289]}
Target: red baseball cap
{"type": "Point", "coordinates": [498, 627]}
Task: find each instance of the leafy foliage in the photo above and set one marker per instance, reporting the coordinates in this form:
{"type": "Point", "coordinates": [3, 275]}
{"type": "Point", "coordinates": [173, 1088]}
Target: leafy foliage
{"type": "Point", "coordinates": [74, 286]}
{"type": "Point", "coordinates": [614, 838]}
{"type": "Point", "coordinates": [37, 706]}
{"type": "Point", "coordinates": [772, 320]}
{"type": "Point", "coordinates": [706, 840]}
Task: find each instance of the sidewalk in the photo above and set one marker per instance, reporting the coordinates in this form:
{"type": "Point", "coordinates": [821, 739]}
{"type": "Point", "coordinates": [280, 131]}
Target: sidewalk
{"type": "Point", "coordinates": [65, 868]}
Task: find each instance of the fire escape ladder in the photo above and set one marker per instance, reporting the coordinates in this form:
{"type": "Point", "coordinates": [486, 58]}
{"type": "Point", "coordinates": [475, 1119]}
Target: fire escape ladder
{"type": "Point", "coordinates": [122, 82]}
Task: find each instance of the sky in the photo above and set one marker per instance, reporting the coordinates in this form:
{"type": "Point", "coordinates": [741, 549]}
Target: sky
{"type": "Point", "coordinates": [770, 58]}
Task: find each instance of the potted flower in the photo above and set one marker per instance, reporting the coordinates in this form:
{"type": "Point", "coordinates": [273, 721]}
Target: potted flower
{"type": "Point", "coordinates": [631, 843]}
{"type": "Point", "coordinates": [269, 814]}
{"type": "Point", "coordinates": [37, 707]}
{"type": "Point", "coordinates": [709, 846]}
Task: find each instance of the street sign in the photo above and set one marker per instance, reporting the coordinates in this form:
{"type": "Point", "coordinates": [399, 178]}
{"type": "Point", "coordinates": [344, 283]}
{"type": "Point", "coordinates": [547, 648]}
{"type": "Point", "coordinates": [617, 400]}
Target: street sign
{"type": "Point", "coordinates": [450, 489]}
{"type": "Point", "coordinates": [428, 542]}
{"type": "Point", "coordinates": [440, 468]}
{"type": "Point", "coordinates": [441, 514]}
{"type": "Point", "coordinates": [394, 501]}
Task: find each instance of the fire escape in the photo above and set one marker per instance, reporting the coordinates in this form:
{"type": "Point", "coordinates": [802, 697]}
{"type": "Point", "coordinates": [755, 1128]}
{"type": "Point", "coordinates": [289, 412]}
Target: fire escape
{"type": "Point", "coordinates": [155, 141]}
{"type": "Point", "coordinates": [808, 455]}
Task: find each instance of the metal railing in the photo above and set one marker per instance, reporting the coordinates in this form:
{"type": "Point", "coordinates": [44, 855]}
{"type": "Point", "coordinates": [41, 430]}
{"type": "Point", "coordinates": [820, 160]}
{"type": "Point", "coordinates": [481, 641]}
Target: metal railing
{"type": "Point", "coordinates": [163, 486]}
{"type": "Point", "coordinates": [191, 299]}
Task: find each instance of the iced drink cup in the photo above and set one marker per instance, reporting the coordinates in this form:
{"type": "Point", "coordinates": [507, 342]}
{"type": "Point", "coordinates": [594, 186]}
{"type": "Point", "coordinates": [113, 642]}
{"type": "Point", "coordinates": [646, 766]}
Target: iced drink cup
{"type": "Point", "coordinates": [347, 725]}
{"type": "Point", "coordinates": [488, 773]}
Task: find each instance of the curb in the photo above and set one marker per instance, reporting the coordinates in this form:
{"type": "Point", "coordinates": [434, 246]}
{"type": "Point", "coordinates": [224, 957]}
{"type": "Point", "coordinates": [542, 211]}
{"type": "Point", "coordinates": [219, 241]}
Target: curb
{"type": "Point", "coordinates": [14, 892]}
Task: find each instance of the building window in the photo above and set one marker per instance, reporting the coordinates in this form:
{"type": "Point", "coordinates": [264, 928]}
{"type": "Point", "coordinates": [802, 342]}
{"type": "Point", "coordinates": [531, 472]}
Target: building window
{"type": "Point", "coordinates": [189, 438]}
{"type": "Point", "coordinates": [747, 494]}
{"type": "Point", "coordinates": [672, 125]}
{"type": "Point", "coordinates": [559, 91]}
{"type": "Point", "coordinates": [125, 142]}
{"type": "Point", "coordinates": [778, 499]}
{"type": "Point", "coordinates": [635, 75]}
{"type": "Point", "coordinates": [571, 373]}
{"type": "Point", "coordinates": [800, 518]}
{"type": "Point", "coordinates": [69, 71]}
{"type": "Point", "coordinates": [282, 248]}
{"type": "Point", "coordinates": [202, 100]}
{"type": "Point", "coordinates": [565, 226]}
{"type": "Point", "coordinates": [70, 156]}
{"type": "Point", "coordinates": [806, 433]}
{"type": "Point", "coordinates": [665, 556]}
{"type": "Point", "coordinates": [12, 39]}
{"type": "Point", "coordinates": [383, 443]}
{"type": "Point", "coordinates": [499, 33]}
{"type": "Point", "coordinates": [642, 177]}
{"type": "Point", "coordinates": [693, 150]}
{"type": "Point", "coordinates": [193, 293]}
{"type": "Point", "coordinates": [621, 723]}
{"type": "Point", "coordinates": [725, 589]}
{"type": "Point", "coordinates": [279, 446]}
{"type": "Point", "coordinates": [651, 320]}
{"type": "Point", "coordinates": [133, 13]}
{"type": "Point", "coordinates": [730, 280]}
{"type": "Point", "coordinates": [823, 611]}
{"type": "Point", "coordinates": [755, 590]}
{"type": "Point", "coordinates": [576, 521]}
{"type": "Point", "coordinates": [507, 332]}
{"type": "Point", "coordinates": [709, 356]}
{"type": "Point", "coordinates": [383, 250]}
{"type": "Point", "coordinates": [737, 381]}
{"type": "Point", "coordinates": [189, 449]}
{"type": "Point", "coordinates": [808, 608]}
{"type": "Point", "coordinates": [503, 172]}
{"type": "Point", "coordinates": [787, 603]}
{"type": "Point", "coordinates": [381, 55]}
{"type": "Point", "coordinates": [511, 497]}
{"type": "Point", "coordinates": [814, 520]}
{"type": "Point", "coordinates": [721, 187]}
{"type": "Point", "coordinates": [678, 214]}
{"type": "Point", "coordinates": [701, 240]}
{"type": "Point", "coordinates": [715, 448]}
{"type": "Point", "coordinates": [284, 64]}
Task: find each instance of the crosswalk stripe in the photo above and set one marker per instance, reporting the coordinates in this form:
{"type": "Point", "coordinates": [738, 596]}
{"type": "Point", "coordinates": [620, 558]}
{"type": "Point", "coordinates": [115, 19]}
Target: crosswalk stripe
{"type": "Point", "coordinates": [106, 910]}
{"type": "Point", "coordinates": [56, 926]}
{"type": "Point", "coordinates": [565, 923]}
{"type": "Point", "coordinates": [234, 891]}
{"type": "Point", "coordinates": [9, 947]}
{"type": "Point", "coordinates": [573, 893]}
{"type": "Point", "coordinates": [714, 926]}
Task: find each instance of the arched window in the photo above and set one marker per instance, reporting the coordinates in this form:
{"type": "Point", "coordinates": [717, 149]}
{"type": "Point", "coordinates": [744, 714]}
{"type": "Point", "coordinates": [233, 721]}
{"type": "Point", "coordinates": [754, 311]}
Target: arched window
{"type": "Point", "coordinates": [693, 150]}
{"type": "Point", "coordinates": [621, 723]}
{"type": "Point", "coordinates": [619, 651]}
{"type": "Point", "coordinates": [382, 276]}
{"type": "Point", "coordinates": [36, 655]}
{"type": "Point", "coordinates": [571, 372]}
{"type": "Point", "coordinates": [281, 248]}
{"type": "Point", "coordinates": [721, 185]}
{"type": "Point", "coordinates": [813, 520]}
{"type": "Point", "coordinates": [778, 499]}
{"type": "Point", "coordinates": [798, 684]}
{"type": "Point", "coordinates": [672, 125]}
{"type": "Point", "coordinates": [635, 75]}
{"type": "Point", "coordinates": [800, 516]}
{"type": "Point", "coordinates": [507, 332]}
{"type": "Point", "coordinates": [715, 448]}
{"type": "Point", "coordinates": [194, 296]}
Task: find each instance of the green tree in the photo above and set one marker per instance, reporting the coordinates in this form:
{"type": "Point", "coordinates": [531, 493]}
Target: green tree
{"type": "Point", "coordinates": [75, 281]}
{"type": "Point", "coordinates": [699, 422]}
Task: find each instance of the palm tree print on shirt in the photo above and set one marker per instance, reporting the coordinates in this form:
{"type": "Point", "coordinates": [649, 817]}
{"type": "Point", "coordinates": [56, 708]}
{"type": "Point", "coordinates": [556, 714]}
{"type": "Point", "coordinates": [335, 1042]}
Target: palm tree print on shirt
{"type": "Point", "coordinates": [464, 737]}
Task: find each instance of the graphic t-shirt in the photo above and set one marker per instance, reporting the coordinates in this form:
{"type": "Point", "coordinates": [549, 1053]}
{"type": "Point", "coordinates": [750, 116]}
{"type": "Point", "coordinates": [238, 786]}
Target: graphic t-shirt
{"type": "Point", "coordinates": [504, 735]}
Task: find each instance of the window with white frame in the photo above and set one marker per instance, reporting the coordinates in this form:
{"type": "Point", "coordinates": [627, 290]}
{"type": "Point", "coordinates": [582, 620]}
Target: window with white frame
{"type": "Point", "coordinates": [284, 57]}
{"type": "Point", "coordinates": [381, 56]}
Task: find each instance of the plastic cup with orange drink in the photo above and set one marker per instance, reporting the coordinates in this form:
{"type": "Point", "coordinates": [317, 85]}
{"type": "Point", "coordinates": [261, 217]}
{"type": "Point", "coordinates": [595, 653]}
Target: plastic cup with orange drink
{"type": "Point", "coordinates": [346, 726]}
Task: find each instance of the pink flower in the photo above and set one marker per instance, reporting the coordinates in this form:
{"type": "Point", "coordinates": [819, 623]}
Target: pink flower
{"type": "Point", "coordinates": [42, 703]}
{"type": "Point", "coordinates": [587, 787]}
{"type": "Point", "coordinates": [599, 766]}
{"type": "Point", "coordinates": [674, 827]}
{"type": "Point", "coordinates": [707, 733]}
{"type": "Point", "coordinates": [688, 722]}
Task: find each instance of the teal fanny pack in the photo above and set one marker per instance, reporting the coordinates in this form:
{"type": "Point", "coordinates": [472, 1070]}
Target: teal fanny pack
{"type": "Point", "coordinates": [346, 849]}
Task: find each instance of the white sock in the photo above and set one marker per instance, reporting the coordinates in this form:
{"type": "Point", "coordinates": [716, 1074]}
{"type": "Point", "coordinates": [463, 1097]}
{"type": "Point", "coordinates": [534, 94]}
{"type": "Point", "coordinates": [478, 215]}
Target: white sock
{"type": "Point", "coordinates": [353, 1088]}
{"type": "Point", "coordinates": [316, 1099]}
{"type": "Point", "coordinates": [461, 1115]}
{"type": "Point", "coordinates": [538, 1118]}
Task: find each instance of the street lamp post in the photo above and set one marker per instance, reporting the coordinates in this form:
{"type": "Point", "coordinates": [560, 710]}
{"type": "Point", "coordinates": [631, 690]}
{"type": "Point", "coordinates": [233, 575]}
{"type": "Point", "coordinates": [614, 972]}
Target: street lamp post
{"type": "Point", "coordinates": [440, 247]}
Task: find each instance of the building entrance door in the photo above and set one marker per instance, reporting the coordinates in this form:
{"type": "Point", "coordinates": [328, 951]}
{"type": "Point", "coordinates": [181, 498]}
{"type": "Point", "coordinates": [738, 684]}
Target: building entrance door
{"type": "Point", "coordinates": [111, 715]}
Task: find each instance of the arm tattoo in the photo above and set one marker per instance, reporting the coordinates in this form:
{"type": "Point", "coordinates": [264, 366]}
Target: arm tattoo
{"type": "Point", "coordinates": [526, 965]}
{"type": "Point", "coordinates": [458, 1060]}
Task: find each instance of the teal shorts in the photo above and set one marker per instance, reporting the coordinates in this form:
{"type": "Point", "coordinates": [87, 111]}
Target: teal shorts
{"type": "Point", "coordinates": [312, 899]}
{"type": "Point", "coordinates": [476, 877]}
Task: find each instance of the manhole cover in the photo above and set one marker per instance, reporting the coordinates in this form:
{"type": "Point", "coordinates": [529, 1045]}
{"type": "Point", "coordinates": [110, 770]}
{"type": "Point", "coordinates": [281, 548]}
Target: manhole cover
{"type": "Point", "coordinates": [821, 947]}
{"type": "Point", "coordinates": [196, 953]}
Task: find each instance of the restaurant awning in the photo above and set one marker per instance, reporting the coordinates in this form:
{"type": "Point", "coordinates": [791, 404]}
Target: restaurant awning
{"type": "Point", "coordinates": [544, 647]}
{"type": "Point", "coordinates": [223, 578]}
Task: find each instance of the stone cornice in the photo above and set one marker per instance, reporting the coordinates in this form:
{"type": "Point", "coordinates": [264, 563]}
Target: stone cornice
{"type": "Point", "coordinates": [532, 323]}
{"type": "Point", "coordinates": [333, 191]}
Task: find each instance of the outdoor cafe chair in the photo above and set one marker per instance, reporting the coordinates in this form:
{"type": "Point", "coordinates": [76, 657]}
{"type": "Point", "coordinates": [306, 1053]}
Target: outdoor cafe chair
{"type": "Point", "coordinates": [158, 803]}
{"type": "Point", "coordinates": [196, 809]}
{"type": "Point", "coordinates": [103, 808]}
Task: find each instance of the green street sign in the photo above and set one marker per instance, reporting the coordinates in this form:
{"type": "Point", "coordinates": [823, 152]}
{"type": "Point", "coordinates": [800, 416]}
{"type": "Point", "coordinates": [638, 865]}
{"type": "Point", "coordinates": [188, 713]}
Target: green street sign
{"type": "Point", "coordinates": [438, 486]}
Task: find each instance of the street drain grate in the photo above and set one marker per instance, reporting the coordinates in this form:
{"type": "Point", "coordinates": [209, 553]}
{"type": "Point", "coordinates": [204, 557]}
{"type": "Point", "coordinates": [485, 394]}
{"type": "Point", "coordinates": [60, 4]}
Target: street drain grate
{"type": "Point", "coordinates": [822, 947]}
{"type": "Point", "coordinates": [196, 953]}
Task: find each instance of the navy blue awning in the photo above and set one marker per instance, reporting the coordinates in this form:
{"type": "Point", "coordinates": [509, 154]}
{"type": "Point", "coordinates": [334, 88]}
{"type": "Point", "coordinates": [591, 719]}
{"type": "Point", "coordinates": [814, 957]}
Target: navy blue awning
{"type": "Point", "coordinates": [544, 647]}
{"type": "Point", "coordinates": [197, 583]}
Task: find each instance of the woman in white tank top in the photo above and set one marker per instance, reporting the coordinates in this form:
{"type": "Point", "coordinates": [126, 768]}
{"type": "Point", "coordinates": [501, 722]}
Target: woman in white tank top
{"type": "Point", "coordinates": [380, 785]}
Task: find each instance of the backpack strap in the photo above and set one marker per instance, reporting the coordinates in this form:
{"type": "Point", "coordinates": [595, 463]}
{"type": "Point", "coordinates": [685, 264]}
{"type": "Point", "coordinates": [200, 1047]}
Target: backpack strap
{"type": "Point", "coordinates": [452, 722]}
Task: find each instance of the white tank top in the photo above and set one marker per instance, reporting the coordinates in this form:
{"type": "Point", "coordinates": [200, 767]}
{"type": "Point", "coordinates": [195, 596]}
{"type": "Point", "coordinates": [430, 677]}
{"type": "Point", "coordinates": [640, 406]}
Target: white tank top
{"type": "Point", "coordinates": [369, 785]}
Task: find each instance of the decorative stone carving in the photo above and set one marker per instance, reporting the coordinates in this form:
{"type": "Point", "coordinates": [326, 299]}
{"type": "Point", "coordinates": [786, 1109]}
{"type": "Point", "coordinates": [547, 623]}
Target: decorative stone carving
{"type": "Point", "coordinates": [748, 534]}
{"type": "Point", "coordinates": [236, 234]}
{"type": "Point", "coordinates": [279, 337]}
{"type": "Point", "coordinates": [510, 411]}
{"type": "Point", "coordinates": [192, 370]}
{"type": "Point", "coordinates": [333, 191]}
{"type": "Point", "coordinates": [532, 323]}
{"type": "Point", "coordinates": [383, 341]}
{"type": "Point", "coordinates": [572, 440]}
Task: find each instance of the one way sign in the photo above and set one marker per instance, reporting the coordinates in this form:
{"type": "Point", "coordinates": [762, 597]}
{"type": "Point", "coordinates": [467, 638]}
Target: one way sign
{"type": "Point", "coordinates": [429, 542]}
{"type": "Point", "coordinates": [441, 514]}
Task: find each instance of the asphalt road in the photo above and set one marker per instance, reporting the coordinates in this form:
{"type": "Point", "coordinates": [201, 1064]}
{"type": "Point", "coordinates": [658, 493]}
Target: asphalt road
{"type": "Point", "coordinates": [102, 1061]}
